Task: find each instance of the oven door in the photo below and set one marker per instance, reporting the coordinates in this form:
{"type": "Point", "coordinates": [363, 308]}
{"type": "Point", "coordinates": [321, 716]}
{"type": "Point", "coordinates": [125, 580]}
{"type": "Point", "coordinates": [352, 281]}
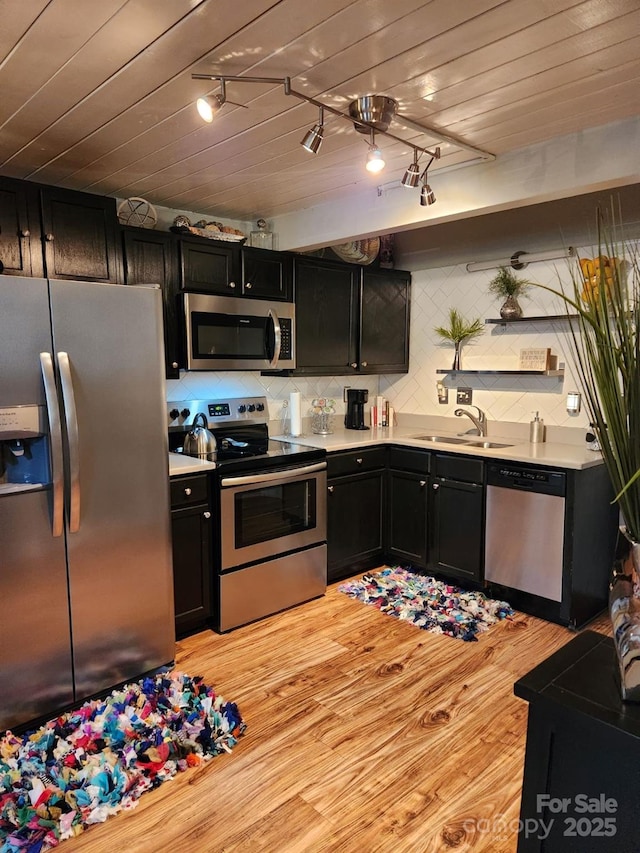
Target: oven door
{"type": "Point", "coordinates": [237, 334]}
{"type": "Point", "coordinates": [271, 513]}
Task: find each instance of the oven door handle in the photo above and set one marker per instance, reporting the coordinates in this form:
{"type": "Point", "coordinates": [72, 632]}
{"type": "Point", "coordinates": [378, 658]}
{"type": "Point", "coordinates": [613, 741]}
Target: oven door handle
{"type": "Point", "coordinates": [269, 477]}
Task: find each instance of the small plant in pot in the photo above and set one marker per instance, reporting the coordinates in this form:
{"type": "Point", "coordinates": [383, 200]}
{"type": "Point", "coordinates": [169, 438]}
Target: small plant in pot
{"type": "Point", "coordinates": [506, 285]}
{"type": "Point", "coordinates": [458, 332]}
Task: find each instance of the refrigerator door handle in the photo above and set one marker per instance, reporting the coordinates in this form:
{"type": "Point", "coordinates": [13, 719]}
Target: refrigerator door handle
{"type": "Point", "coordinates": [55, 437]}
{"type": "Point", "coordinates": [71, 420]}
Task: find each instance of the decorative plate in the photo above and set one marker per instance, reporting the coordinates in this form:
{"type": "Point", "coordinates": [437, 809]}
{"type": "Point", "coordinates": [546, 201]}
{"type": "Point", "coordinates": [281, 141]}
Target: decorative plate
{"type": "Point", "coordinates": [358, 251]}
{"type": "Point", "coordinates": [137, 211]}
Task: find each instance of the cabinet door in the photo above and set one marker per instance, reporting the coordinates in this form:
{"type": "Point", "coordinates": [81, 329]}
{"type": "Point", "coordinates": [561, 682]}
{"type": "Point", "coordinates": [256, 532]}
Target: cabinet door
{"type": "Point", "coordinates": [20, 244]}
{"type": "Point", "coordinates": [266, 274]}
{"type": "Point", "coordinates": [384, 321]}
{"type": "Point", "coordinates": [192, 567]}
{"type": "Point", "coordinates": [326, 314]}
{"type": "Point", "coordinates": [407, 496]}
{"type": "Point", "coordinates": [457, 529]}
{"type": "Point", "coordinates": [354, 523]}
{"type": "Point", "coordinates": [80, 236]}
{"type": "Point", "coordinates": [210, 267]}
{"type": "Point", "coordinates": [150, 257]}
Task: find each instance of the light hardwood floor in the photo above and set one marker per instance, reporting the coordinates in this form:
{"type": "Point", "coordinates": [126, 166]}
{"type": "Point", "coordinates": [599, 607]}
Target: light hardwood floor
{"type": "Point", "coordinates": [364, 734]}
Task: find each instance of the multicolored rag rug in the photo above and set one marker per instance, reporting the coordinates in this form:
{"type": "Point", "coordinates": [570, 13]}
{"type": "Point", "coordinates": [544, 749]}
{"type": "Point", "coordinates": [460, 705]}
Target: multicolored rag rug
{"type": "Point", "coordinates": [428, 603]}
{"type": "Point", "coordinates": [88, 764]}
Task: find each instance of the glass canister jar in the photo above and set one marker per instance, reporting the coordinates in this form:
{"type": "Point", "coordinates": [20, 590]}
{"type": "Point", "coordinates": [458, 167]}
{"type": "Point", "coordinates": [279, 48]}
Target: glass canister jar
{"type": "Point", "coordinates": [322, 414]}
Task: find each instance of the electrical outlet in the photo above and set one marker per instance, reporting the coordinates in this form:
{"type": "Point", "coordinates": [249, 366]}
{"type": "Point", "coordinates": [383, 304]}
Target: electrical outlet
{"type": "Point", "coordinates": [464, 396]}
{"type": "Point", "coordinates": [443, 392]}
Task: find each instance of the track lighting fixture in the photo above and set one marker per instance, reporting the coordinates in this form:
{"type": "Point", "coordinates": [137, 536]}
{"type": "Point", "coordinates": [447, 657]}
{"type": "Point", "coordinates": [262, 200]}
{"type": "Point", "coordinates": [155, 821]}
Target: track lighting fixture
{"type": "Point", "coordinates": [313, 138]}
{"type": "Point", "coordinates": [370, 113]}
{"type": "Point", "coordinates": [411, 177]}
{"type": "Point", "coordinates": [375, 160]}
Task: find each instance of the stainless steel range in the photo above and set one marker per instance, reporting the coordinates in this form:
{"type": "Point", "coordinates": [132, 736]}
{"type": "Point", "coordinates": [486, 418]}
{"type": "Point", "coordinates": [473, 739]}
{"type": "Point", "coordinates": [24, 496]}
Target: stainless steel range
{"type": "Point", "coordinates": [270, 500]}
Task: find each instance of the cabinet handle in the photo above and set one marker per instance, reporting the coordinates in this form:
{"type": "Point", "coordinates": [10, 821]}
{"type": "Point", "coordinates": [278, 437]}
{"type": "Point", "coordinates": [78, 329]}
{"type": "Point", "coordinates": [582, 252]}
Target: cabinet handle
{"type": "Point", "coordinates": [359, 461]}
{"type": "Point", "coordinates": [206, 514]}
{"type": "Point", "coordinates": [25, 233]}
{"type": "Point", "coordinates": [187, 492]}
{"type": "Point", "coordinates": [248, 285]}
{"type": "Point", "coordinates": [232, 284]}
{"type": "Point", "coordinates": [365, 363]}
{"type": "Point", "coordinates": [48, 238]}
{"type": "Point", "coordinates": [435, 487]}
{"type": "Point", "coordinates": [423, 483]}
{"type": "Point", "coordinates": [354, 364]}
{"type": "Point", "coordinates": [175, 365]}
{"type": "Point", "coordinates": [330, 488]}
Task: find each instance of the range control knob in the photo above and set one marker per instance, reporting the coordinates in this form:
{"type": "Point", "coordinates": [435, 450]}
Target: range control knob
{"type": "Point", "coordinates": [251, 407]}
{"type": "Point", "coordinates": [260, 407]}
{"type": "Point", "coordinates": [173, 414]}
{"type": "Point", "coordinates": [242, 409]}
{"type": "Point", "coordinates": [185, 413]}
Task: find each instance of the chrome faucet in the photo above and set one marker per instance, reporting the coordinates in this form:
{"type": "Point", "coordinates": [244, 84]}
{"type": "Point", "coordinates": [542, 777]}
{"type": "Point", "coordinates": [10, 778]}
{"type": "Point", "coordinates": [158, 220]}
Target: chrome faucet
{"type": "Point", "coordinates": [479, 422]}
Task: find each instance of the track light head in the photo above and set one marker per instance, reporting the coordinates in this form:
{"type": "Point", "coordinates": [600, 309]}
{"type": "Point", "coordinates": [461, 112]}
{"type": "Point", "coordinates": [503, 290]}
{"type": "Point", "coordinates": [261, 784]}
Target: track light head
{"type": "Point", "coordinates": [411, 177]}
{"type": "Point", "coordinates": [375, 161]}
{"type": "Point", "coordinates": [427, 195]}
{"type": "Point", "coordinates": [208, 106]}
{"type": "Point", "coordinates": [313, 138]}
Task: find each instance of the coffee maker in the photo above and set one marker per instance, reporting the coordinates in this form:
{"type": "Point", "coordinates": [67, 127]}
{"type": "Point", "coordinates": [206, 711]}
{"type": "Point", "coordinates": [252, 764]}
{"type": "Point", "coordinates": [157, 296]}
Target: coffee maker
{"type": "Point", "coordinates": [356, 398]}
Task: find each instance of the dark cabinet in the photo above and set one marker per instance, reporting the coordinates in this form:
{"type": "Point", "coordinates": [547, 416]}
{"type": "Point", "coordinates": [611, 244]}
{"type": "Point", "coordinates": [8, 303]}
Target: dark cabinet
{"type": "Point", "coordinates": [150, 257]}
{"type": "Point", "coordinates": [384, 321]}
{"type": "Point", "coordinates": [354, 511]}
{"type": "Point", "coordinates": [407, 506]}
{"type": "Point", "coordinates": [20, 242]}
{"type": "Point", "coordinates": [210, 267]}
{"type": "Point", "coordinates": [266, 274]}
{"type": "Point", "coordinates": [349, 319]}
{"type": "Point", "coordinates": [80, 236]}
{"type": "Point", "coordinates": [192, 552]}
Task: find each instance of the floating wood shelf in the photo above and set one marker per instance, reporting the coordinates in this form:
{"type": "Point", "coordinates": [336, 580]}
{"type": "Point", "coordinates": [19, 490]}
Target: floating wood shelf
{"type": "Point", "coordinates": [543, 318]}
{"type": "Point", "coordinates": [504, 372]}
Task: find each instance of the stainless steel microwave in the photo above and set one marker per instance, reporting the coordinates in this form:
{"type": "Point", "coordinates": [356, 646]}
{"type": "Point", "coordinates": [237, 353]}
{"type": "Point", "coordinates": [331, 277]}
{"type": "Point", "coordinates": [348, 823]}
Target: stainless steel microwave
{"type": "Point", "coordinates": [223, 333]}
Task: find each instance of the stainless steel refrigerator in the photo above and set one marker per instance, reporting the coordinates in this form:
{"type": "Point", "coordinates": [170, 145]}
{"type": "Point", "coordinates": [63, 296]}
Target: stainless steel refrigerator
{"type": "Point", "coordinates": [86, 588]}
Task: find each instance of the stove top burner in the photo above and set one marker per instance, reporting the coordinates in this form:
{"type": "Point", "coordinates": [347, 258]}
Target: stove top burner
{"type": "Point", "coordinates": [240, 427]}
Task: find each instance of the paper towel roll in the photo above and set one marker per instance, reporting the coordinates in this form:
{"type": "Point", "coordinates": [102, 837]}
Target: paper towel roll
{"type": "Point", "coordinates": [295, 412]}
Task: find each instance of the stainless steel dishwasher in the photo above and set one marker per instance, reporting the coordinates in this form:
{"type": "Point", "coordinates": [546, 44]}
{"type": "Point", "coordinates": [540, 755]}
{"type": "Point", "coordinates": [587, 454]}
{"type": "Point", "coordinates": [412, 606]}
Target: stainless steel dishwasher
{"type": "Point", "coordinates": [524, 538]}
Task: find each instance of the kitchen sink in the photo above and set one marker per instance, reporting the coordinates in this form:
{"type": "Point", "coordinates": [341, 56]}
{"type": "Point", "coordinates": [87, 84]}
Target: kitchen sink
{"type": "Point", "coordinates": [445, 439]}
{"type": "Point", "coordinates": [487, 444]}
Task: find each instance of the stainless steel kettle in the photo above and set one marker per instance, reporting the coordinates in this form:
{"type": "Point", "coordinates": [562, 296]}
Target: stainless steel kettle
{"type": "Point", "coordinates": [199, 441]}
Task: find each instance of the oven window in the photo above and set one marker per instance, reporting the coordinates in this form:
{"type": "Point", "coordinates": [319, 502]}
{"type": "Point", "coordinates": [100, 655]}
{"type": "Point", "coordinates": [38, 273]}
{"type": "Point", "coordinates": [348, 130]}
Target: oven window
{"type": "Point", "coordinates": [270, 512]}
{"type": "Point", "coordinates": [229, 336]}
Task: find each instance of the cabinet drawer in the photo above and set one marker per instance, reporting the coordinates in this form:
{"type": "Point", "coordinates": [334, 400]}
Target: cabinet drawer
{"type": "Point", "coordinates": [457, 468]}
{"type": "Point", "coordinates": [189, 490]}
{"type": "Point", "coordinates": [367, 459]}
{"type": "Point", "coordinates": [402, 459]}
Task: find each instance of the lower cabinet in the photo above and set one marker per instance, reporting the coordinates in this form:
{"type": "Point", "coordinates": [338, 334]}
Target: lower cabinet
{"type": "Point", "coordinates": [456, 528]}
{"type": "Point", "coordinates": [433, 508]}
{"type": "Point", "coordinates": [355, 511]}
{"type": "Point", "coordinates": [192, 558]}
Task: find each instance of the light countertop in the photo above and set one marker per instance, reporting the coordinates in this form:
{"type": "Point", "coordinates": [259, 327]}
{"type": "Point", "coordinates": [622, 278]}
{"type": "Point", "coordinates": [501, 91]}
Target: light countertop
{"type": "Point", "coordinates": [553, 453]}
{"type": "Point", "coordinates": [179, 464]}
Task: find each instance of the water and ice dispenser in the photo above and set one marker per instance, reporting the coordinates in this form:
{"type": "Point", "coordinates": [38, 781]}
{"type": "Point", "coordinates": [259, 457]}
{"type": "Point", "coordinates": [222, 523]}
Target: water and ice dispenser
{"type": "Point", "coordinates": [24, 449]}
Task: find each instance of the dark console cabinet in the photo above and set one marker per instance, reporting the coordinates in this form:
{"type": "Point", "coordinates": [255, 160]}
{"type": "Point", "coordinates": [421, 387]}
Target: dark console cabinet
{"type": "Point", "coordinates": [192, 552]}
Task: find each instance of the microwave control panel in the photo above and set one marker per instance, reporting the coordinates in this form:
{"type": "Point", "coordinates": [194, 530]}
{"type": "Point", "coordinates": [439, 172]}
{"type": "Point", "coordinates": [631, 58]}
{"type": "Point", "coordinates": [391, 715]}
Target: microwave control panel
{"type": "Point", "coordinates": [285, 338]}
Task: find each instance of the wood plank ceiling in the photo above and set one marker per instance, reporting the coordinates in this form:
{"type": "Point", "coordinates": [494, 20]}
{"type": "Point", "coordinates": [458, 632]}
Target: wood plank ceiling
{"type": "Point", "coordinates": [99, 96]}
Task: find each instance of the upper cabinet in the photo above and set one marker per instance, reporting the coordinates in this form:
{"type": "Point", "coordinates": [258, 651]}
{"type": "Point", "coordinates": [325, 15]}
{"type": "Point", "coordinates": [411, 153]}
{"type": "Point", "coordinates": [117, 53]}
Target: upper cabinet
{"type": "Point", "coordinates": [20, 243]}
{"type": "Point", "coordinates": [80, 236]}
{"type": "Point", "coordinates": [227, 269]}
{"type": "Point", "coordinates": [151, 257]}
{"type": "Point", "coordinates": [350, 319]}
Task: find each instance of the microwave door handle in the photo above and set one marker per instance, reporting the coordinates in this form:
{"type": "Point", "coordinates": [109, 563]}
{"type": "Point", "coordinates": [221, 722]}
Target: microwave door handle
{"type": "Point", "coordinates": [277, 332]}
{"type": "Point", "coordinates": [55, 438]}
{"type": "Point", "coordinates": [71, 419]}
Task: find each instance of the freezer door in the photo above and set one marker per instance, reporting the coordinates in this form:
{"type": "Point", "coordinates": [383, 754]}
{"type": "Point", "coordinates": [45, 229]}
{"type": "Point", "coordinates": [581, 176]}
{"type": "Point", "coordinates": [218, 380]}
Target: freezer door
{"type": "Point", "coordinates": [108, 343]}
{"type": "Point", "coordinates": [25, 332]}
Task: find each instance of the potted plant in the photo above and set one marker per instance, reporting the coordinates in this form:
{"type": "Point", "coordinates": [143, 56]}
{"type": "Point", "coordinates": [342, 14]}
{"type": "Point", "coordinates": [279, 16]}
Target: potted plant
{"type": "Point", "coordinates": [506, 285]}
{"type": "Point", "coordinates": [606, 347]}
{"type": "Point", "coordinates": [458, 332]}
